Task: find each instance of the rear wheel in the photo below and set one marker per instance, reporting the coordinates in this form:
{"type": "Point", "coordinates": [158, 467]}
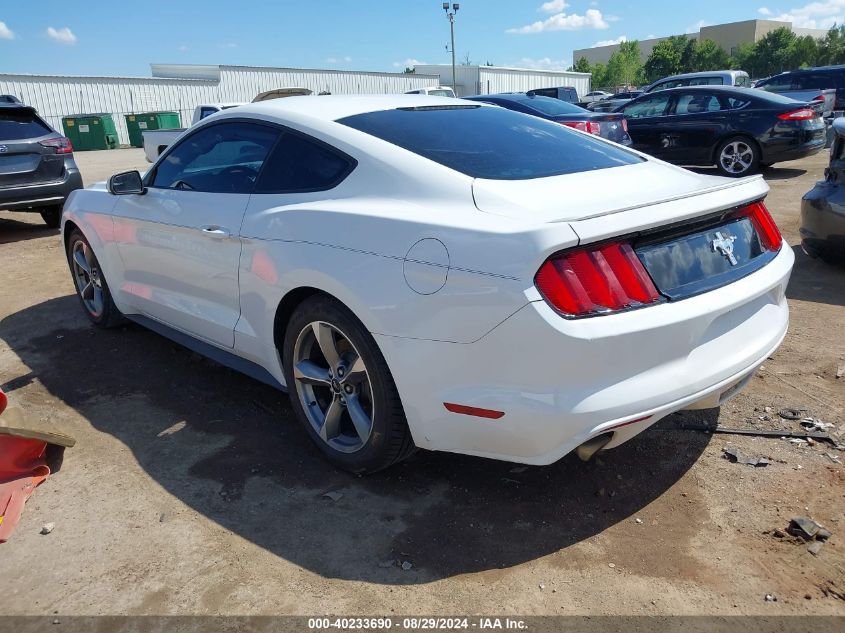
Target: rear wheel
{"type": "Point", "coordinates": [52, 216]}
{"type": "Point", "coordinates": [91, 286]}
{"type": "Point", "coordinates": [737, 156]}
{"type": "Point", "coordinates": [341, 388]}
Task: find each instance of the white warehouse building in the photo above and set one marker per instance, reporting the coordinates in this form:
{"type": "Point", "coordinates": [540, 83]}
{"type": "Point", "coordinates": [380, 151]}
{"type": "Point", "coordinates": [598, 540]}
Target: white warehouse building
{"type": "Point", "coordinates": [474, 80]}
{"type": "Point", "coordinates": [181, 87]}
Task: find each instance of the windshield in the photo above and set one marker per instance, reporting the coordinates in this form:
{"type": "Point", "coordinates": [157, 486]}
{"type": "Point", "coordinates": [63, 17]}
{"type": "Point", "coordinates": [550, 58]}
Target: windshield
{"type": "Point", "coordinates": [494, 143]}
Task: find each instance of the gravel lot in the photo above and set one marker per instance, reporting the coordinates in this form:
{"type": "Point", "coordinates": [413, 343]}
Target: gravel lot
{"type": "Point", "coordinates": [192, 491]}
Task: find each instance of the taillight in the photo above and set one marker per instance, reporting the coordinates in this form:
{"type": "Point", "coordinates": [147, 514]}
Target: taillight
{"type": "Point", "coordinates": [3, 401]}
{"type": "Point", "coordinates": [765, 226]}
{"type": "Point", "coordinates": [819, 98]}
{"type": "Point", "coordinates": [804, 114]}
{"type": "Point", "coordinates": [592, 127]}
{"type": "Point", "coordinates": [62, 144]}
{"type": "Point", "coordinates": [595, 280]}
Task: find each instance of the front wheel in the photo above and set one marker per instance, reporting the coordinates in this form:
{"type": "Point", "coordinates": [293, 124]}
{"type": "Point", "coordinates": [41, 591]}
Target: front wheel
{"type": "Point", "coordinates": [91, 286]}
{"type": "Point", "coordinates": [737, 156]}
{"type": "Point", "coordinates": [341, 389]}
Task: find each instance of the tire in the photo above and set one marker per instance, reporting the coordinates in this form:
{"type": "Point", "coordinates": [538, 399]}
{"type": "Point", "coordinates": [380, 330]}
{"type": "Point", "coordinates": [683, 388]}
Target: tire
{"type": "Point", "coordinates": [91, 283]}
{"type": "Point", "coordinates": [737, 156]}
{"type": "Point", "coordinates": [325, 389]}
{"type": "Point", "coordinates": [52, 217]}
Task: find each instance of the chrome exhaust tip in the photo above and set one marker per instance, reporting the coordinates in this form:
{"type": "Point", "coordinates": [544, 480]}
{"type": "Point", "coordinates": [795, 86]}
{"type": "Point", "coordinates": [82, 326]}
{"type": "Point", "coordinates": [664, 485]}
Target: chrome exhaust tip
{"type": "Point", "coordinates": [593, 446]}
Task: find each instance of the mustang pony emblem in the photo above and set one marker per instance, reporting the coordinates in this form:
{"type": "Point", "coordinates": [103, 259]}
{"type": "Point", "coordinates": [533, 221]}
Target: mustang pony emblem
{"type": "Point", "coordinates": [724, 245]}
{"type": "Point", "coordinates": [3, 149]}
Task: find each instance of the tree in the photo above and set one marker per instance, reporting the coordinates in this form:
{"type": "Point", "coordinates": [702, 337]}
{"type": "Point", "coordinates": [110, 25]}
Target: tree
{"type": "Point", "coordinates": [831, 48]}
{"type": "Point", "coordinates": [771, 52]}
{"type": "Point", "coordinates": [743, 58]}
{"type": "Point", "coordinates": [708, 55]}
{"type": "Point", "coordinates": [582, 66]}
{"type": "Point", "coordinates": [803, 52]}
{"type": "Point", "coordinates": [665, 58]}
{"type": "Point", "coordinates": [623, 67]}
{"type": "Point", "coordinates": [410, 70]}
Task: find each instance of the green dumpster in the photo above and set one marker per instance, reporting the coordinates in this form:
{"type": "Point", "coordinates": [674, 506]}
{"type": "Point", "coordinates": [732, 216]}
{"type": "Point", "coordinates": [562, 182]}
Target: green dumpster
{"type": "Point", "coordinates": [137, 123]}
{"type": "Point", "coordinates": [90, 131]}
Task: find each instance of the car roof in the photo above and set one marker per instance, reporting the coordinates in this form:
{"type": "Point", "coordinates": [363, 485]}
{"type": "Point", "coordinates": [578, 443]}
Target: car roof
{"type": "Point", "coordinates": [334, 107]}
{"type": "Point", "coordinates": [724, 89]}
{"type": "Point", "coordinates": [702, 73]}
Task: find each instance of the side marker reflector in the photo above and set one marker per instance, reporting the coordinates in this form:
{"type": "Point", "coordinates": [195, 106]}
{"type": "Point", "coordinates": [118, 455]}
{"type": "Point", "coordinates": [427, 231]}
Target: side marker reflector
{"type": "Point", "coordinates": [474, 411]}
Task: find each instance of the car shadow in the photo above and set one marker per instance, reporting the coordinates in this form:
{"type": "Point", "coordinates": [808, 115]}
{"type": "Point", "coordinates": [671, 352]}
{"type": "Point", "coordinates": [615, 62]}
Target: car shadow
{"type": "Point", "coordinates": [816, 281]}
{"type": "Point", "coordinates": [17, 231]}
{"type": "Point", "coordinates": [230, 448]}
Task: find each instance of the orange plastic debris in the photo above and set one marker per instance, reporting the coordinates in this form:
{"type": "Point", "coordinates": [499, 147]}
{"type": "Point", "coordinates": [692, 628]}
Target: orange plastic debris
{"type": "Point", "coordinates": [22, 469]}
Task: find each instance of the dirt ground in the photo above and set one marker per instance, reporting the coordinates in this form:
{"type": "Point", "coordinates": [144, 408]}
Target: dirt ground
{"type": "Point", "coordinates": [192, 491]}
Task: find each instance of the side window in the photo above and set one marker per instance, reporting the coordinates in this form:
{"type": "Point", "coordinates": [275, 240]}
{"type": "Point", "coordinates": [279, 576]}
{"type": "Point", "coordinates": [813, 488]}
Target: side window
{"type": "Point", "coordinates": [696, 103]}
{"type": "Point", "coordinates": [676, 83]}
{"type": "Point", "coordinates": [653, 106]}
{"type": "Point", "coordinates": [223, 158]}
{"type": "Point", "coordinates": [705, 81]}
{"type": "Point", "coordinates": [817, 81]}
{"type": "Point", "coordinates": [742, 81]}
{"type": "Point", "coordinates": [204, 112]}
{"type": "Point", "coordinates": [735, 103]}
{"type": "Point", "coordinates": [778, 84]}
{"type": "Point", "coordinates": [545, 92]}
{"type": "Point", "coordinates": [299, 164]}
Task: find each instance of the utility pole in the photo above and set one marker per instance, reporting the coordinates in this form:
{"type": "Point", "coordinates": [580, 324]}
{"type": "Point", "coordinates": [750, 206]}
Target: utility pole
{"type": "Point", "coordinates": [451, 16]}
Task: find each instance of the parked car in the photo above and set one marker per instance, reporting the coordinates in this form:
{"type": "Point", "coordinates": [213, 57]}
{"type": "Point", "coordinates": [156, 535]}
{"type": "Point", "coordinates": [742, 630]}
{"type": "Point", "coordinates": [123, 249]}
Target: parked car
{"type": "Point", "coordinates": [737, 78]}
{"type": "Point", "coordinates": [440, 273]}
{"type": "Point", "coordinates": [596, 95]}
{"type": "Point", "coordinates": [434, 91]}
{"type": "Point", "coordinates": [37, 170]}
{"type": "Point", "coordinates": [805, 85]}
{"type": "Point", "coordinates": [823, 207]}
{"type": "Point", "coordinates": [809, 79]}
{"type": "Point", "coordinates": [9, 99]}
{"type": "Point", "coordinates": [611, 103]}
{"type": "Point", "coordinates": [737, 129]}
{"type": "Point", "coordinates": [607, 125]}
{"type": "Point", "coordinates": [564, 93]}
{"type": "Point", "coordinates": [156, 141]}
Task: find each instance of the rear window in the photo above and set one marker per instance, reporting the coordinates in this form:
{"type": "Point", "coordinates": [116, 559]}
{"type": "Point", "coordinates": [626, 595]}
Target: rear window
{"type": "Point", "coordinates": [16, 126]}
{"type": "Point", "coordinates": [549, 106]}
{"type": "Point", "coordinates": [493, 143]}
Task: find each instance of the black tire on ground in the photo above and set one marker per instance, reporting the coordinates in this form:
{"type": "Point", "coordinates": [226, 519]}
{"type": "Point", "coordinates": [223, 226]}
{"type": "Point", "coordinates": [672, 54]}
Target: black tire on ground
{"type": "Point", "coordinates": [766, 165]}
{"type": "Point", "coordinates": [109, 316]}
{"type": "Point", "coordinates": [390, 440]}
{"type": "Point", "coordinates": [746, 147]}
{"type": "Point", "coordinates": [52, 216]}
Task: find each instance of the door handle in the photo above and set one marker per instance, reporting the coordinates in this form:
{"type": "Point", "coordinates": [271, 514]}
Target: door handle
{"type": "Point", "coordinates": [219, 232]}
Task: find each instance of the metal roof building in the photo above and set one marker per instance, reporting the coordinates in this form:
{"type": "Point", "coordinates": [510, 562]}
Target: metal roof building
{"type": "Point", "coordinates": [181, 87]}
{"type": "Point", "coordinates": [473, 80]}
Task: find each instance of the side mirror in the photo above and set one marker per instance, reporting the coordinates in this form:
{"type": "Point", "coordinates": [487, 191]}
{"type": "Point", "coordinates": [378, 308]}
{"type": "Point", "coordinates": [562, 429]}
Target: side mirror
{"type": "Point", "coordinates": [125, 183]}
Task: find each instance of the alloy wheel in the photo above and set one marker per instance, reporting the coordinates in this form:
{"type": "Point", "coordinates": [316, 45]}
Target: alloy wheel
{"type": "Point", "coordinates": [88, 279]}
{"type": "Point", "coordinates": [333, 386]}
{"type": "Point", "coordinates": [736, 157]}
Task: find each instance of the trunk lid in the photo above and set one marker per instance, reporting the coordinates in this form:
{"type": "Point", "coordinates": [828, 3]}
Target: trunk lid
{"type": "Point", "coordinates": [585, 195]}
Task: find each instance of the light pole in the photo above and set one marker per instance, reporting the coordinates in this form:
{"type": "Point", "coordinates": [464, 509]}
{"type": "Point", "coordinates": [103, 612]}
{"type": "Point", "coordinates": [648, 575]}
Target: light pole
{"type": "Point", "coordinates": [451, 16]}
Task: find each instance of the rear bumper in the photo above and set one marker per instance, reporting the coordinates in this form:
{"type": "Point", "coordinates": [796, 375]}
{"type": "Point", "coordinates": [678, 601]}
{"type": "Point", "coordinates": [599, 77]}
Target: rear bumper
{"type": "Point", "coordinates": [34, 197]}
{"type": "Point", "coordinates": [561, 382]}
{"type": "Point", "coordinates": [793, 152]}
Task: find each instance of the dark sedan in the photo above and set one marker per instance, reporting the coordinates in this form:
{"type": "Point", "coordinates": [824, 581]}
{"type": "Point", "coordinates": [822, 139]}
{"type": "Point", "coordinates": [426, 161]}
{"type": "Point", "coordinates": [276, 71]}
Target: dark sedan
{"type": "Point", "coordinates": [737, 129]}
{"type": "Point", "coordinates": [37, 170]}
{"type": "Point", "coordinates": [823, 207]}
{"type": "Point", "coordinates": [606, 125]}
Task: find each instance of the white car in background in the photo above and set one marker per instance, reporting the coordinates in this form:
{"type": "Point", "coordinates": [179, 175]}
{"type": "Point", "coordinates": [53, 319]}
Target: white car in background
{"type": "Point", "coordinates": [434, 91]}
{"type": "Point", "coordinates": [426, 272]}
{"type": "Point", "coordinates": [595, 95]}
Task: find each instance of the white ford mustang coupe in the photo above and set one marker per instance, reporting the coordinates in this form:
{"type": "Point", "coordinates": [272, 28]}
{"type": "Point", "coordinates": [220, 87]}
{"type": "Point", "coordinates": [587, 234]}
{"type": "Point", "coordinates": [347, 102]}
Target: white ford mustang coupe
{"type": "Point", "coordinates": [428, 272]}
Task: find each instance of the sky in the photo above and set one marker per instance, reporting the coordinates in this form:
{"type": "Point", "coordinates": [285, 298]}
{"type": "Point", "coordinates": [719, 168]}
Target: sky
{"type": "Point", "coordinates": [99, 37]}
